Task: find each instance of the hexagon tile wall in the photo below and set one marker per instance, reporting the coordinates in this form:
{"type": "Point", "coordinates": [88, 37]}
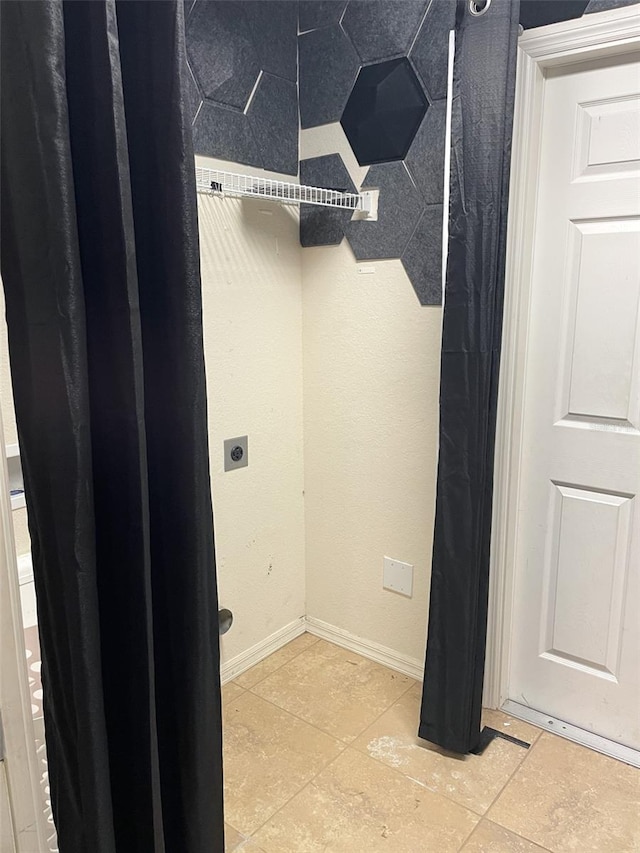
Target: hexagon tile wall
{"type": "Point", "coordinates": [379, 66]}
{"type": "Point", "coordinates": [258, 69]}
{"type": "Point", "coordinates": [243, 81]}
{"type": "Point", "coordinates": [383, 75]}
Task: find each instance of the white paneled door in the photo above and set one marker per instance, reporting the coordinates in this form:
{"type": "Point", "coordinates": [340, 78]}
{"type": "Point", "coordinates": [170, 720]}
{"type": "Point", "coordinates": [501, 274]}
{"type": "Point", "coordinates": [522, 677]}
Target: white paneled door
{"type": "Point", "coordinates": [575, 649]}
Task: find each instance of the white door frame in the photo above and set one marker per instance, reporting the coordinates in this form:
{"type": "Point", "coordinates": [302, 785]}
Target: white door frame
{"type": "Point", "coordinates": [593, 36]}
{"type": "Point", "coordinates": [20, 759]}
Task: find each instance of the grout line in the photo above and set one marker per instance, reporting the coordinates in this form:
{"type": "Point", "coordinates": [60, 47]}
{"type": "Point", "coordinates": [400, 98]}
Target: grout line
{"type": "Point", "coordinates": [516, 769]}
{"type": "Point", "coordinates": [420, 25]}
{"type": "Point", "coordinates": [284, 663]}
{"type": "Point", "coordinates": [344, 744]}
{"type": "Point", "coordinates": [284, 805]}
{"type": "Point", "coordinates": [468, 838]}
{"type": "Point", "coordinates": [253, 92]}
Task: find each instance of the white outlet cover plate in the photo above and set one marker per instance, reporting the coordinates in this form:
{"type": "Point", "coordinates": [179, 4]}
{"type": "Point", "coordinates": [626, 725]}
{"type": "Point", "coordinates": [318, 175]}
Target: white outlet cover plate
{"type": "Point", "coordinates": [397, 576]}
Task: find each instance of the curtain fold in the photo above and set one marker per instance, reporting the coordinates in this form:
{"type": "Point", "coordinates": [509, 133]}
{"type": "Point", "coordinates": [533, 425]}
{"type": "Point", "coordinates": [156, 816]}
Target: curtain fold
{"type": "Point", "coordinates": [482, 119]}
{"type": "Point", "coordinates": [100, 265]}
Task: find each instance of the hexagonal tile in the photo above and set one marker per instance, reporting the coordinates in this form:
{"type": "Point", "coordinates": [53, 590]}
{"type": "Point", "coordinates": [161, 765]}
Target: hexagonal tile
{"type": "Point", "coordinates": [381, 29]}
{"type": "Point", "coordinates": [323, 226]}
{"type": "Point", "coordinates": [425, 159]}
{"type": "Point", "coordinates": [273, 115]}
{"type": "Point", "coordinates": [399, 207]}
{"type": "Point", "coordinates": [221, 52]}
{"type": "Point", "coordinates": [605, 5]}
{"type": "Point", "coordinates": [274, 26]}
{"type": "Point", "coordinates": [225, 133]}
{"type": "Point", "coordinates": [384, 112]}
{"type": "Point", "coordinates": [430, 51]}
{"type": "Point", "coordinates": [328, 68]}
{"type": "Point", "coordinates": [314, 14]}
{"type": "Point", "coordinates": [422, 259]}
{"type": "Point", "coordinates": [540, 13]}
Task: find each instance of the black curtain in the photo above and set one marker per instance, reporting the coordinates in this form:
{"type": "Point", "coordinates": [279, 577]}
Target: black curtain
{"type": "Point", "coordinates": [100, 265]}
{"type": "Point", "coordinates": [482, 118]}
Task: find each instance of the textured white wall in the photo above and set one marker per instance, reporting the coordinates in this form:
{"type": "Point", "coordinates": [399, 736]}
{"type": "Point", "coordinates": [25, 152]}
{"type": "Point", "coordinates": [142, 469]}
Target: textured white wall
{"type": "Point", "coordinates": [371, 380]}
{"type": "Point", "coordinates": [363, 451]}
{"type": "Point", "coordinates": [251, 279]}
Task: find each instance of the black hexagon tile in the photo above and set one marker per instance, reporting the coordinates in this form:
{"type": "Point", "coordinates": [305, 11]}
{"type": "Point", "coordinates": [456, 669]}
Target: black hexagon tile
{"type": "Point", "coordinates": [221, 52]}
{"type": "Point", "coordinates": [381, 29]}
{"type": "Point", "coordinates": [273, 115]}
{"type": "Point", "coordinates": [324, 226]}
{"type": "Point", "coordinates": [225, 133]}
{"type": "Point", "coordinates": [430, 51]}
{"type": "Point", "coordinates": [274, 27]}
{"type": "Point", "coordinates": [399, 207]}
{"type": "Point", "coordinates": [425, 159]}
{"type": "Point", "coordinates": [384, 111]}
{"type": "Point", "coordinates": [314, 14]}
{"type": "Point", "coordinates": [422, 259]}
{"type": "Point", "coordinates": [328, 68]}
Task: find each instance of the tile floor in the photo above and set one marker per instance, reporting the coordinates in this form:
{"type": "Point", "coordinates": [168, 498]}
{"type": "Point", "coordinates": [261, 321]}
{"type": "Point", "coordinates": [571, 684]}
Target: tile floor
{"type": "Point", "coordinates": [321, 757]}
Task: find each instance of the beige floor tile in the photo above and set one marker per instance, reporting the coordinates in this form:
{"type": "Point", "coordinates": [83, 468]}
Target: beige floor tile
{"type": "Point", "coordinates": [251, 847]}
{"type": "Point", "coordinates": [275, 661]}
{"type": "Point", "coordinates": [268, 757]}
{"type": "Point", "coordinates": [490, 838]}
{"type": "Point", "coordinates": [568, 798]}
{"type": "Point", "coordinates": [473, 781]}
{"type": "Point", "coordinates": [230, 691]}
{"type": "Point", "coordinates": [334, 689]}
{"type": "Point", "coordinates": [510, 726]}
{"type": "Point", "coordinates": [232, 839]}
{"type": "Point", "coordinates": [357, 805]}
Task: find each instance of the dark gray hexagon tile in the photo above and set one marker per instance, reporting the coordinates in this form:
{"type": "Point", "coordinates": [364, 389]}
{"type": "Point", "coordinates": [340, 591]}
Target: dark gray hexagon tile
{"type": "Point", "coordinates": [193, 96]}
{"type": "Point", "coordinates": [324, 226]}
{"type": "Point", "coordinates": [328, 69]}
{"type": "Point", "coordinates": [225, 133]}
{"type": "Point", "coordinates": [221, 52]}
{"type": "Point", "coordinates": [382, 29]}
{"type": "Point", "coordinates": [314, 14]}
{"type": "Point", "coordinates": [274, 27]}
{"type": "Point", "coordinates": [430, 51]}
{"type": "Point", "coordinates": [605, 5]}
{"type": "Point", "coordinates": [273, 116]}
{"type": "Point", "coordinates": [422, 259]}
{"type": "Point", "coordinates": [399, 207]}
{"type": "Point", "coordinates": [425, 159]}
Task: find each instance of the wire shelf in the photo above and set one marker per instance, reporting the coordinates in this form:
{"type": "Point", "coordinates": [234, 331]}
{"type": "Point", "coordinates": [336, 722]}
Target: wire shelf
{"type": "Point", "coordinates": [234, 184]}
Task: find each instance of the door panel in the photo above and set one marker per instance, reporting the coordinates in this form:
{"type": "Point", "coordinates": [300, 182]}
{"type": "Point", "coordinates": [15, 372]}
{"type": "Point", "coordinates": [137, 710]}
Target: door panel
{"type": "Point", "coordinates": [576, 642]}
{"type": "Point", "coordinates": [603, 327]}
{"type": "Point", "coordinates": [580, 573]}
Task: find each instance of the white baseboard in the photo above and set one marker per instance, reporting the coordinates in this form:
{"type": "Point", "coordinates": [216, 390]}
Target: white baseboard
{"type": "Point", "coordinates": [367, 648]}
{"type": "Point", "coordinates": [245, 660]}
